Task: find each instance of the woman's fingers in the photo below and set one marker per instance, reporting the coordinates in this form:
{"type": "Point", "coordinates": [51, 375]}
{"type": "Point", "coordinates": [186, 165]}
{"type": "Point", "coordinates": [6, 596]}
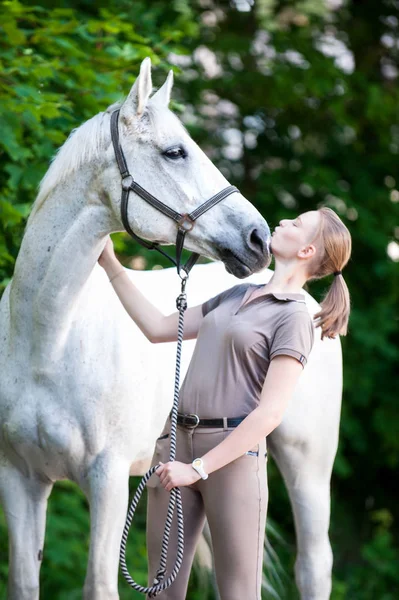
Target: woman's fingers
{"type": "Point", "coordinates": [174, 474]}
{"type": "Point", "coordinates": [108, 251]}
{"type": "Point", "coordinates": [159, 469]}
{"type": "Point", "coordinates": [163, 471]}
{"type": "Point", "coordinates": [164, 476]}
{"type": "Point", "coordinates": [167, 483]}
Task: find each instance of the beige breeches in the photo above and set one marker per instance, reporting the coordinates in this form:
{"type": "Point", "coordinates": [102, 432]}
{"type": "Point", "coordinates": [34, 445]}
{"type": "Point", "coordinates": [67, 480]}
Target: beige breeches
{"type": "Point", "coordinates": [233, 499]}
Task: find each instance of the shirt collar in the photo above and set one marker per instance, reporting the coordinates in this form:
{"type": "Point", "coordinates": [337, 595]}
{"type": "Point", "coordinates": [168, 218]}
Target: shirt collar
{"type": "Point", "coordinates": [284, 296]}
{"type": "Point", "coordinates": [288, 296]}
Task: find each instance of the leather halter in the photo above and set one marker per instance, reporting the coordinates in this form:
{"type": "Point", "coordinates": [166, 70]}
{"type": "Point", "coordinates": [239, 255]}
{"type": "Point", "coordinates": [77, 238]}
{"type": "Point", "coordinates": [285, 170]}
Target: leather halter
{"type": "Point", "coordinates": [185, 222]}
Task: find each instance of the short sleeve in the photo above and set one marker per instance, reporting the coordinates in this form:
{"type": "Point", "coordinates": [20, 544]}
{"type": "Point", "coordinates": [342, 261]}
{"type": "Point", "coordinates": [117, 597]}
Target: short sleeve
{"type": "Point", "coordinates": [294, 336]}
{"type": "Point", "coordinates": [214, 302]}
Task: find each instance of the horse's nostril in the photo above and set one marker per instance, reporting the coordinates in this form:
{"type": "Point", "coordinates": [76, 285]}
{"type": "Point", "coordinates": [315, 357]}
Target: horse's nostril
{"type": "Point", "coordinates": [259, 240]}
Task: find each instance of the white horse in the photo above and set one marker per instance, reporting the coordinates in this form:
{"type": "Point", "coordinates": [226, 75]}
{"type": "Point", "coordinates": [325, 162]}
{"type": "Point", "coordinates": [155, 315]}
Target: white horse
{"type": "Point", "coordinates": [80, 396]}
{"type": "Point", "coordinates": [83, 394]}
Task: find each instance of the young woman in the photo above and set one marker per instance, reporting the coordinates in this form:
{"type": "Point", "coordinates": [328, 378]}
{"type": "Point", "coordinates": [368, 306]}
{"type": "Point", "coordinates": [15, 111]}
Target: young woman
{"type": "Point", "coordinates": [253, 342]}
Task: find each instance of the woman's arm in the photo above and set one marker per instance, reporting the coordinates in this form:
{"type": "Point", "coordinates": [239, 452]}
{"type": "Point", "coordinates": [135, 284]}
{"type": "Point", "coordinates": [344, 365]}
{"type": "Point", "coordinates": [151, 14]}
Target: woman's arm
{"type": "Point", "coordinates": [156, 326]}
{"type": "Point", "coordinates": [279, 385]}
{"type": "Point", "coordinates": [281, 379]}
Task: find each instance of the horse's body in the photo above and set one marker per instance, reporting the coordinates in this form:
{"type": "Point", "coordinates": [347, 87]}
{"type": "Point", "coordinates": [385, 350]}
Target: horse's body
{"type": "Point", "coordinates": [83, 394]}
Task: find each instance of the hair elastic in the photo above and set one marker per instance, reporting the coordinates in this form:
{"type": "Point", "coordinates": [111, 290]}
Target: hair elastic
{"type": "Point", "coordinates": [337, 273]}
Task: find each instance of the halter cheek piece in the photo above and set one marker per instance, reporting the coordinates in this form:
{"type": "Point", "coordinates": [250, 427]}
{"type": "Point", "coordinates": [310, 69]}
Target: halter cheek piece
{"type": "Point", "coordinates": [185, 222]}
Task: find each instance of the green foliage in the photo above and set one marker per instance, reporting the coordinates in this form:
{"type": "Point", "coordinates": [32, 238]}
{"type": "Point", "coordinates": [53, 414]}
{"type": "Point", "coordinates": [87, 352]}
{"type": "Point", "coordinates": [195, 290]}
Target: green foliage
{"type": "Point", "coordinates": [59, 68]}
{"type": "Point", "coordinates": [311, 132]}
{"type": "Point", "coordinates": [67, 544]}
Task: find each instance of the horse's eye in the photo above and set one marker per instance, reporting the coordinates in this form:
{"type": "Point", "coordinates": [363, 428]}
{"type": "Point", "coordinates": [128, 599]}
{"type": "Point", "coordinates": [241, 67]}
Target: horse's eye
{"type": "Point", "coordinates": [175, 152]}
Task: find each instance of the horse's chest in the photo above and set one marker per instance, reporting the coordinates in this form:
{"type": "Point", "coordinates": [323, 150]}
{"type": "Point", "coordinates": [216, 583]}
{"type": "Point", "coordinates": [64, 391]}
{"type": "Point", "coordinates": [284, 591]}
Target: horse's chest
{"type": "Point", "coordinates": [41, 443]}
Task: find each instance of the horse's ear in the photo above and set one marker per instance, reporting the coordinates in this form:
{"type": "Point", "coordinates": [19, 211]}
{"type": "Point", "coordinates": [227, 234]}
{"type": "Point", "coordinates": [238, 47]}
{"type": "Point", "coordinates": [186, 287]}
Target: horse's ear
{"type": "Point", "coordinates": [139, 94]}
{"type": "Point", "coordinates": [162, 96]}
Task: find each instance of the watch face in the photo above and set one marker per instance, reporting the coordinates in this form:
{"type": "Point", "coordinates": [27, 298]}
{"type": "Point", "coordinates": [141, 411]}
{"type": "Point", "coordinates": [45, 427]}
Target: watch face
{"type": "Point", "coordinates": [198, 462]}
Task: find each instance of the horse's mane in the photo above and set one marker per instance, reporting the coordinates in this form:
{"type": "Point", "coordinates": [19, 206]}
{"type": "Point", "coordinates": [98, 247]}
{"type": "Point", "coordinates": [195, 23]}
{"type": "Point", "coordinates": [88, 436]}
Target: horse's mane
{"type": "Point", "coordinates": [83, 145]}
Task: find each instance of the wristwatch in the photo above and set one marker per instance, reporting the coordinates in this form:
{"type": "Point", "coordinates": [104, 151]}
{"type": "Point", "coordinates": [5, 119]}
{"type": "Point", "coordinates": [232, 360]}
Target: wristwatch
{"type": "Point", "coordinates": [198, 465]}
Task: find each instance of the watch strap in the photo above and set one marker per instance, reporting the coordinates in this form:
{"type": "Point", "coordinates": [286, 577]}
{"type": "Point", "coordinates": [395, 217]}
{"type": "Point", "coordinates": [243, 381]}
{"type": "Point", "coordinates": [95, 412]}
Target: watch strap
{"type": "Point", "coordinates": [198, 466]}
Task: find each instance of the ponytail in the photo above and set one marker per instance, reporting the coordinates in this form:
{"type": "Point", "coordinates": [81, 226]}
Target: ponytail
{"type": "Point", "coordinates": [335, 308]}
{"type": "Point", "coordinates": [334, 248]}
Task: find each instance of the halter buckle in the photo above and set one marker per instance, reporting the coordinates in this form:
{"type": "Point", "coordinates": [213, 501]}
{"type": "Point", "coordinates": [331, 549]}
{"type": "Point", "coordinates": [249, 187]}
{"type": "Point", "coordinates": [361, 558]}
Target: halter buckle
{"type": "Point", "coordinates": [127, 182]}
{"type": "Point", "coordinates": [185, 222]}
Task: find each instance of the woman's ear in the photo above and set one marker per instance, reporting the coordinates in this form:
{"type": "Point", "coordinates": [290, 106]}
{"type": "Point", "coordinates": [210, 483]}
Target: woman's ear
{"type": "Point", "coordinates": [307, 251]}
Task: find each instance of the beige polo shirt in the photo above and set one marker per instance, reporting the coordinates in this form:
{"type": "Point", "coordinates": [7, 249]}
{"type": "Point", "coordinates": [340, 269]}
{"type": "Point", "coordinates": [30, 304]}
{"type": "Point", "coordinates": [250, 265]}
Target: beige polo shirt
{"type": "Point", "coordinates": [235, 345]}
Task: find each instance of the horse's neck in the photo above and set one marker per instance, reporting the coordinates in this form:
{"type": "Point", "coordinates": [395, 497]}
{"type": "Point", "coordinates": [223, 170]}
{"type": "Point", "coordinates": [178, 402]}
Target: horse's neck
{"type": "Point", "coordinates": [59, 251]}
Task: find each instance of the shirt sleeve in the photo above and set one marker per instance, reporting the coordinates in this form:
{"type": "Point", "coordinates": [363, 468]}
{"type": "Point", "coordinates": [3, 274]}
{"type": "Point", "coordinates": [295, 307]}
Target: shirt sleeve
{"type": "Point", "coordinates": [294, 337]}
{"type": "Point", "coordinates": [214, 302]}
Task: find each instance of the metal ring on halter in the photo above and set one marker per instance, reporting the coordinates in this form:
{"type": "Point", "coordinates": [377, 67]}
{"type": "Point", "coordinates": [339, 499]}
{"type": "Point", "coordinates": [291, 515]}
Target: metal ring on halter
{"type": "Point", "coordinates": [183, 278]}
{"type": "Point", "coordinates": [127, 182]}
{"type": "Point", "coordinates": [186, 222]}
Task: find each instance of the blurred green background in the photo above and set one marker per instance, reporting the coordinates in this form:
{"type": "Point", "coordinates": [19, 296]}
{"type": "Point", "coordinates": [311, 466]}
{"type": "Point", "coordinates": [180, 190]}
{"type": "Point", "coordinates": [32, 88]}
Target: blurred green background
{"type": "Point", "coordinates": [297, 103]}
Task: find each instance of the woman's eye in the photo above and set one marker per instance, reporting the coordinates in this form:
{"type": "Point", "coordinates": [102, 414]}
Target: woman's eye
{"type": "Point", "coordinates": [175, 153]}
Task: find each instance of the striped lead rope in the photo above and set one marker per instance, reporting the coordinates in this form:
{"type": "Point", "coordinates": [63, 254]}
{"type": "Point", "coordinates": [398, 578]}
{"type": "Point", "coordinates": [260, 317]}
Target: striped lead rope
{"type": "Point", "coordinates": [162, 581]}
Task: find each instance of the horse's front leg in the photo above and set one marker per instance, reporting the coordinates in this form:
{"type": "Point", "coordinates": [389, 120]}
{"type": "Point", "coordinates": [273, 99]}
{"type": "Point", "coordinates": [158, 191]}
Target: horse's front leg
{"type": "Point", "coordinates": [307, 471]}
{"type": "Point", "coordinates": [107, 488]}
{"type": "Point", "coordinates": [24, 501]}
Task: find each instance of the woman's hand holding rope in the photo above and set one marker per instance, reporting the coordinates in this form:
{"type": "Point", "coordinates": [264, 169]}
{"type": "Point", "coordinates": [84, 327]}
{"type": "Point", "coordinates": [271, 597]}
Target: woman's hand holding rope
{"type": "Point", "coordinates": [176, 474]}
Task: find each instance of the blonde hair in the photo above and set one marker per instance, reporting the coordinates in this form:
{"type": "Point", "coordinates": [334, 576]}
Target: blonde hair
{"type": "Point", "coordinates": [334, 244]}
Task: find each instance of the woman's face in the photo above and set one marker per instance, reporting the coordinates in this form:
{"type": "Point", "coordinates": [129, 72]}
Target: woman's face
{"type": "Point", "coordinates": [291, 236]}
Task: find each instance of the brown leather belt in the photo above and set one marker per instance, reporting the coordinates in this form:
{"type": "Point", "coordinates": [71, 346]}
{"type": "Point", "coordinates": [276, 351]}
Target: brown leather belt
{"type": "Point", "coordinates": [191, 421]}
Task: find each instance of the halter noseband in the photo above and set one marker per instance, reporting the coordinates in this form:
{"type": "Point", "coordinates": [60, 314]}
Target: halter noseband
{"type": "Point", "coordinates": [185, 222]}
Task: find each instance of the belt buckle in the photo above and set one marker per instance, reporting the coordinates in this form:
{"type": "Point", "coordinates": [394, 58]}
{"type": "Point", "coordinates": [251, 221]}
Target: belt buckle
{"type": "Point", "coordinates": [194, 417]}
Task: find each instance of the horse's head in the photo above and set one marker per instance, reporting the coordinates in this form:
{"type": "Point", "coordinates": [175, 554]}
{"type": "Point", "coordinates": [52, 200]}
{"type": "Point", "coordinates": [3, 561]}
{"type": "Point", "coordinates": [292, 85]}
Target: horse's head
{"type": "Point", "coordinates": [164, 160]}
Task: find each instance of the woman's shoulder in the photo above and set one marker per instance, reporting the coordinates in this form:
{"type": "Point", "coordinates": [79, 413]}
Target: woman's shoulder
{"type": "Point", "coordinates": [235, 290]}
{"type": "Point", "coordinates": [296, 312]}
{"type": "Point", "coordinates": [226, 295]}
